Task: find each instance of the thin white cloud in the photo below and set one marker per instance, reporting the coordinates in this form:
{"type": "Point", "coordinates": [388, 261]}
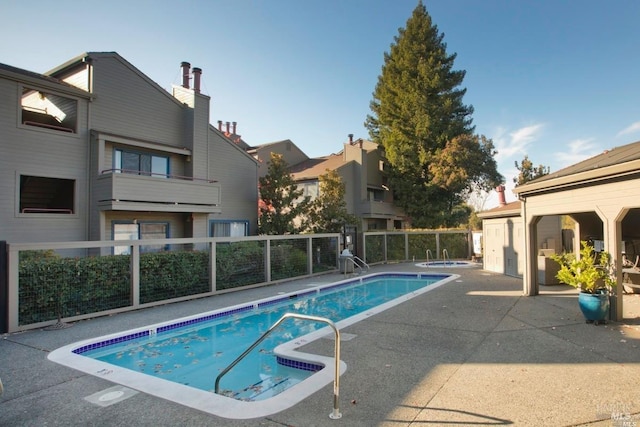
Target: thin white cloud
{"type": "Point", "coordinates": [508, 145]}
{"type": "Point", "coordinates": [579, 150]}
{"type": "Point", "coordinates": [633, 128]}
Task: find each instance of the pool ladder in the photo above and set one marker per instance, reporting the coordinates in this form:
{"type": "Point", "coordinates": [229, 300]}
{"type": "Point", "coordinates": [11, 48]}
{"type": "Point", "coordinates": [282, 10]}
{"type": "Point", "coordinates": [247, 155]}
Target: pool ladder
{"type": "Point", "coordinates": [445, 257]}
{"type": "Point", "coordinates": [357, 262]}
{"type": "Point", "coordinates": [335, 414]}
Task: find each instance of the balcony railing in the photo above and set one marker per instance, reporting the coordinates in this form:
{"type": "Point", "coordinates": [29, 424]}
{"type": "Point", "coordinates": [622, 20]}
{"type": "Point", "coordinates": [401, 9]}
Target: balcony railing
{"type": "Point", "coordinates": [377, 208]}
{"type": "Point", "coordinates": [156, 192]}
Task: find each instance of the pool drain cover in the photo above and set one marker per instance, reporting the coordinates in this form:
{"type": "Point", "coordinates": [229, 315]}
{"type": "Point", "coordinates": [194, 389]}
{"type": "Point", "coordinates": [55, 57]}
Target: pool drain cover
{"type": "Point", "coordinates": [110, 396]}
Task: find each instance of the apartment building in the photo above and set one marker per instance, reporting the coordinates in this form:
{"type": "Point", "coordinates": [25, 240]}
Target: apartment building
{"type": "Point", "coordinates": [96, 150]}
{"type": "Point", "coordinates": [360, 164]}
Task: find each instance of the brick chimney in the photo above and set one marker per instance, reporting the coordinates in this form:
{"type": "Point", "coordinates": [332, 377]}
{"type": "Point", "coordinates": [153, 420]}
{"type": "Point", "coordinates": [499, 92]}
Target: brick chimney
{"type": "Point", "coordinates": [501, 198]}
{"type": "Point", "coordinates": [234, 125]}
{"type": "Point", "coordinates": [185, 74]}
{"type": "Point", "coordinates": [220, 125]}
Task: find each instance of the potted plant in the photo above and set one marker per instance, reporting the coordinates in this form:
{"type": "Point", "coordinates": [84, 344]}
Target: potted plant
{"type": "Point", "coordinates": [591, 274]}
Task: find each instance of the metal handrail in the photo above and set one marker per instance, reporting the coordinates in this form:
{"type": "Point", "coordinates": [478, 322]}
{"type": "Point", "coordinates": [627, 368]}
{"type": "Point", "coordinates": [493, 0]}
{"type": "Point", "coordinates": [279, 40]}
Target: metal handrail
{"type": "Point", "coordinates": [364, 264]}
{"type": "Point", "coordinates": [429, 253]}
{"type": "Point", "coordinates": [445, 256]}
{"type": "Point", "coordinates": [335, 414]}
{"type": "Point", "coordinates": [352, 261]}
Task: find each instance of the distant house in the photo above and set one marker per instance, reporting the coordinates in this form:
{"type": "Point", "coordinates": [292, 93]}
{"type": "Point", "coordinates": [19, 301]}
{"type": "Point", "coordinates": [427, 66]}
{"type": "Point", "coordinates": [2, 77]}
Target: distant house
{"type": "Point", "coordinates": [360, 164]}
{"type": "Point", "coordinates": [95, 150]}
{"type": "Point", "coordinates": [286, 148]}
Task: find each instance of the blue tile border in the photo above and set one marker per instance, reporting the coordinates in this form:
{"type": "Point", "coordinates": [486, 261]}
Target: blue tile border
{"type": "Point", "coordinates": [305, 366]}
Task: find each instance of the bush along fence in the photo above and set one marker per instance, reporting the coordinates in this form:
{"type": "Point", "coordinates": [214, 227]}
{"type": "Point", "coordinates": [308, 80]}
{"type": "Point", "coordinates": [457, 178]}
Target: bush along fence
{"type": "Point", "coordinates": [402, 246]}
{"type": "Point", "coordinates": [67, 281]}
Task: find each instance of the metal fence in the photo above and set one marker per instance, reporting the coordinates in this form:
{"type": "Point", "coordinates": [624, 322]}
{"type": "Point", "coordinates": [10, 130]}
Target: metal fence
{"type": "Point", "coordinates": [398, 246]}
{"type": "Point", "coordinates": [48, 283]}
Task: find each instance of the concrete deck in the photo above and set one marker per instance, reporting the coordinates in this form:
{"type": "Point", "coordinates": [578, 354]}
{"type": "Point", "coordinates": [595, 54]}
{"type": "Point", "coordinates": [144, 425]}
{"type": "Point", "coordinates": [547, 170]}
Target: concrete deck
{"type": "Point", "coordinates": [471, 352]}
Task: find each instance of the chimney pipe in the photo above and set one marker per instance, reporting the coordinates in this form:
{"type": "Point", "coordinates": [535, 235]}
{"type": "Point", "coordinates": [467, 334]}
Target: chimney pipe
{"type": "Point", "coordinates": [350, 138]}
{"type": "Point", "coordinates": [197, 72]}
{"type": "Point", "coordinates": [227, 127]}
{"type": "Point", "coordinates": [185, 74]}
{"type": "Point", "coordinates": [234, 124]}
{"type": "Point", "coordinates": [220, 125]}
{"type": "Point", "coordinates": [501, 198]}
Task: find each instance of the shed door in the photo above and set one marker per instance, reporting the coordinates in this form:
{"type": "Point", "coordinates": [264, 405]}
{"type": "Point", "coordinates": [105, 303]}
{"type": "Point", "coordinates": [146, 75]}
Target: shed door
{"type": "Point", "coordinates": [494, 247]}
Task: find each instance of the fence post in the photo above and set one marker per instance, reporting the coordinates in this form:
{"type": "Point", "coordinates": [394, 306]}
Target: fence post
{"type": "Point", "coordinates": [4, 287]}
{"type": "Point", "coordinates": [213, 287]}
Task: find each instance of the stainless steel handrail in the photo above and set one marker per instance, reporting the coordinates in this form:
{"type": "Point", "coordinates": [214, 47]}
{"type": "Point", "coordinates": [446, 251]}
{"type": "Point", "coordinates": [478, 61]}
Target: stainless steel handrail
{"type": "Point", "coordinates": [335, 414]}
{"type": "Point", "coordinates": [429, 253]}
{"type": "Point", "coordinates": [364, 264]}
{"type": "Point", "coordinates": [445, 257]}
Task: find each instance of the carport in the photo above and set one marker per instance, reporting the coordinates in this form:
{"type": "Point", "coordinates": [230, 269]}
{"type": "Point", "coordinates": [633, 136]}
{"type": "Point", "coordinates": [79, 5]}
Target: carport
{"type": "Point", "coordinates": [602, 194]}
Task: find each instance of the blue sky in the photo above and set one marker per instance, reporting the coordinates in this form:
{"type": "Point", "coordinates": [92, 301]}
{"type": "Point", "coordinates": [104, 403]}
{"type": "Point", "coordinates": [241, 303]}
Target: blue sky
{"type": "Point", "coordinates": [554, 79]}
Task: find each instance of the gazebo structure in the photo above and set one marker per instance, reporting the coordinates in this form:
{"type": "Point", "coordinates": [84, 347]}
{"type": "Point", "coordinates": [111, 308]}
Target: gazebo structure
{"type": "Point", "coordinates": [602, 195]}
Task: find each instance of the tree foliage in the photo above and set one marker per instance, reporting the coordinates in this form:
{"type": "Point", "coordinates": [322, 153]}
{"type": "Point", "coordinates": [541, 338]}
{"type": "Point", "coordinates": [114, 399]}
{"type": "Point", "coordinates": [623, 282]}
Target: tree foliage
{"type": "Point", "coordinates": [419, 117]}
{"type": "Point", "coordinates": [328, 212]}
{"type": "Point", "coordinates": [528, 172]}
{"type": "Point", "coordinates": [282, 210]}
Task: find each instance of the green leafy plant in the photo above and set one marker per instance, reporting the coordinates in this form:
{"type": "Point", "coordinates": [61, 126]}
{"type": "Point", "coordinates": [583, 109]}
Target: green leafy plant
{"type": "Point", "coordinates": [591, 272]}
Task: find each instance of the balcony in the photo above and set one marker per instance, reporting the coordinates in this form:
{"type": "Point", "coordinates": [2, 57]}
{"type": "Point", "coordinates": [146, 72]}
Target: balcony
{"type": "Point", "coordinates": [378, 209]}
{"type": "Point", "coordinates": [133, 192]}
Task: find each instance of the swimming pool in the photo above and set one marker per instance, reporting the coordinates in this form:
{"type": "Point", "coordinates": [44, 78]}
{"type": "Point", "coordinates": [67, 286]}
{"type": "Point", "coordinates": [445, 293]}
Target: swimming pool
{"type": "Point", "coordinates": [166, 359]}
{"type": "Point", "coordinates": [448, 264]}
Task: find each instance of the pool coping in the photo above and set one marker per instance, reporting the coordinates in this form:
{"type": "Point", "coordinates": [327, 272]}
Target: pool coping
{"type": "Point", "coordinates": [223, 406]}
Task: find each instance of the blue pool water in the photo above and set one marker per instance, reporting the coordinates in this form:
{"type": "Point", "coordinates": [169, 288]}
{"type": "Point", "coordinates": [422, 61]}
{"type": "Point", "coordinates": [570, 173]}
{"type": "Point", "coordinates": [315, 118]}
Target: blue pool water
{"type": "Point", "coordinates": [179, 360]}
{"type": "Point", "coordinates": [194, 355]}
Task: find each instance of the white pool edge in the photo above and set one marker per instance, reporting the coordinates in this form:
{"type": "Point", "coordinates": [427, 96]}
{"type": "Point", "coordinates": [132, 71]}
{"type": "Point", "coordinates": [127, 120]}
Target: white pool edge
{"type": "Point", "coordinates": [223, 406]}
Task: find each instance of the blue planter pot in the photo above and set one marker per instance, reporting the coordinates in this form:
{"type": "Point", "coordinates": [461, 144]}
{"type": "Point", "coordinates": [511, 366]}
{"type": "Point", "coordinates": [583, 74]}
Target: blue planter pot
{"type": "Point", "coordinates": [594, 307]}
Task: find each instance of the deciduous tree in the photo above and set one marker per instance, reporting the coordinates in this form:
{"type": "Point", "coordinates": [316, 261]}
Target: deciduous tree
{"type": "Point", "coordinates": [282, 210]}
{"type": "Point", "coordinates": [329, 210]}
{"type": "Point", "coordinates": [528, 172]}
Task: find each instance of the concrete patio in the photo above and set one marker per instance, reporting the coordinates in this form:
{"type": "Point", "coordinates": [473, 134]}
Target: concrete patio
{"type": "Point", "coordinates": [471, 352]}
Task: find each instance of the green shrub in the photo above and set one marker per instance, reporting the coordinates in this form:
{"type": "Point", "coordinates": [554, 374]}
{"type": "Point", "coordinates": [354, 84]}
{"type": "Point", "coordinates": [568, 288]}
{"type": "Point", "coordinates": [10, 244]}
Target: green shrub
{"type": "Point", "coordinates": [239, 264]}
{"type": "Point", "coordinates": [166, 275]}
{"type": "Point", "coordinates": [52, 287]}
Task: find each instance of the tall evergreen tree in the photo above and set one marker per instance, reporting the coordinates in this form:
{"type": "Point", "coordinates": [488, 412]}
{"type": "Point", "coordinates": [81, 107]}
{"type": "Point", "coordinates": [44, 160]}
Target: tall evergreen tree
{"type": "Point", "coordinates": [418, 113]}
{"type": "Point", "coordinates": [282, 208]}
{"type": "Point", "coordinates": [528, 172]}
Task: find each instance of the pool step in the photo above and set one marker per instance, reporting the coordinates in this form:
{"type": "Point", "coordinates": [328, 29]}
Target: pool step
{"type": "Point", "coordinates": [268, 386]}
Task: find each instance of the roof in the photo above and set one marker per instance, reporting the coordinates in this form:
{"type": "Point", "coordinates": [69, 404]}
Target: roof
{"type": "Point", "coordinates": [27, 76]}
{"type": "Point", "coordinates": [315, 167]}
{"type": "Point", "coordinates": [617, 162]}
{"type": "Point", "coordinates": [507, 210]}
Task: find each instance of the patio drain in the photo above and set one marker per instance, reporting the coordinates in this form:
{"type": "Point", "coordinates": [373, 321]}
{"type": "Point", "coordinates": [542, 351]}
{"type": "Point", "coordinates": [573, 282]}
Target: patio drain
{"type": "Point", "coordinates": [110, 396]}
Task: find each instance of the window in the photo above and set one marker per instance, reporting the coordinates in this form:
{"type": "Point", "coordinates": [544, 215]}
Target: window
{"type": "Point", "coordinates": [309, 189]}
{"type": "Point", "coordinates": [140, 230]}
{"type": "Point", "coordinates": [374, 194]}
{"type": "Point", "coordinates": [141, 163]}
{"type": "Point", "coordinates": [49, 111]}
{"type": "Point", "coordinates": [229, 228]}
{"type": "Point", "coordinates": [46, 195]}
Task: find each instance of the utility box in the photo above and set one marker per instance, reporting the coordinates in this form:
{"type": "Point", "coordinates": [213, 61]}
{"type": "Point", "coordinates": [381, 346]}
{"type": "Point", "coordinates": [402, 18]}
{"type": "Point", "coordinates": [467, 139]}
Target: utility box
{"type": "Point", "coordinates": [346, 261]}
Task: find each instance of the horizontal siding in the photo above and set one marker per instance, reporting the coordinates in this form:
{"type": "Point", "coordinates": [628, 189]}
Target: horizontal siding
{"type": "Point", "coordinates": [126, 104]}
{"type": "Point", "coordinates": [39, 152]}
{"type": "Point", "coordinates": [237, 175]}
{"type": "Point", "coordinates": [609, 198]}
